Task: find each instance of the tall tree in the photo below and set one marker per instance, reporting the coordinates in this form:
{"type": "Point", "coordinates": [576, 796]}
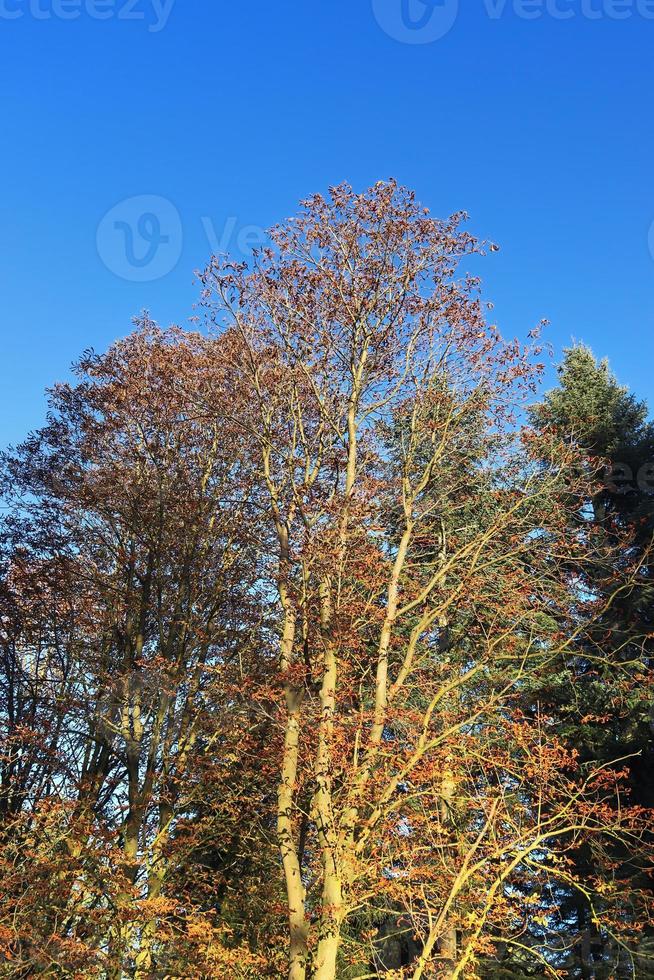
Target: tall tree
{"type": "Point", "coordinates": [135, 515]}
{"type": "Point", "coordinates": [353, 323]}
{"type": "Point", "coordinates": [593, 411]}
{"type": "Point", "coordinates": [607, 712]}
{"type": "Point", "coordinates": [286, 615]}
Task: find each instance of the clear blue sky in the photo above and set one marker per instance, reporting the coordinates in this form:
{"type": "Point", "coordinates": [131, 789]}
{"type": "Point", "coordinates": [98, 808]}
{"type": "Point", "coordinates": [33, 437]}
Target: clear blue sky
{"type": "Point", "coordinates": [540, 127]}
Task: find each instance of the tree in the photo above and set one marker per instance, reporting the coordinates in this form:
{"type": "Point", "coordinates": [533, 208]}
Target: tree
{"type": "Point", "coordinates": [607, 712]}
{"type": "Point", "coordinates": [134, 515]}
{"type": "Point", "coordinates": [404, 643]}
{"type": "Point", "coordinates": [276, 606]}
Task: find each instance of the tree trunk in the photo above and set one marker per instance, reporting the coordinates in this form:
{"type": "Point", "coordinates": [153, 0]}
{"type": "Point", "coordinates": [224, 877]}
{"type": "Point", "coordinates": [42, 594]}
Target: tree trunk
{"type": "Point", "coordinates": [298, 925]}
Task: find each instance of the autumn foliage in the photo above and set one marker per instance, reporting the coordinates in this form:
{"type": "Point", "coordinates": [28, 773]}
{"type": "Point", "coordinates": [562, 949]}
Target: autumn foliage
{"type": "Point", "coordinates": [279, 603]}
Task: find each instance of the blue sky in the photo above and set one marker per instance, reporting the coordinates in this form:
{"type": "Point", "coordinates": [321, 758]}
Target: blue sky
{"type": "Point", "coordinates": [533, 115]}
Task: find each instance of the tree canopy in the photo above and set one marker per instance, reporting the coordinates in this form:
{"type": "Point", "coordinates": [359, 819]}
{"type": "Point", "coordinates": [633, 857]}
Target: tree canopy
{"type": "Point", "coordinates": [324, 644]}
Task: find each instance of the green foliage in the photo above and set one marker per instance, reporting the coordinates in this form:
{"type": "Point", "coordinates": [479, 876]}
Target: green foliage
{"type": "Point", "coordinates": [592, 407]}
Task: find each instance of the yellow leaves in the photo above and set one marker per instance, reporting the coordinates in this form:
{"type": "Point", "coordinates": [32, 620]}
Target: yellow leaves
{"type": "Point", "coordinates": [472, 920]}
{"type": "Point", "coordinates": [158, 906]}
{"type": "Point", "coordinates": [199, 929]}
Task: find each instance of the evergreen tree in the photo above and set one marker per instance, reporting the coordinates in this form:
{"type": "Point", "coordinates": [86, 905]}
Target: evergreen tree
{"type": "Point", "coordinates": [607, 714]}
